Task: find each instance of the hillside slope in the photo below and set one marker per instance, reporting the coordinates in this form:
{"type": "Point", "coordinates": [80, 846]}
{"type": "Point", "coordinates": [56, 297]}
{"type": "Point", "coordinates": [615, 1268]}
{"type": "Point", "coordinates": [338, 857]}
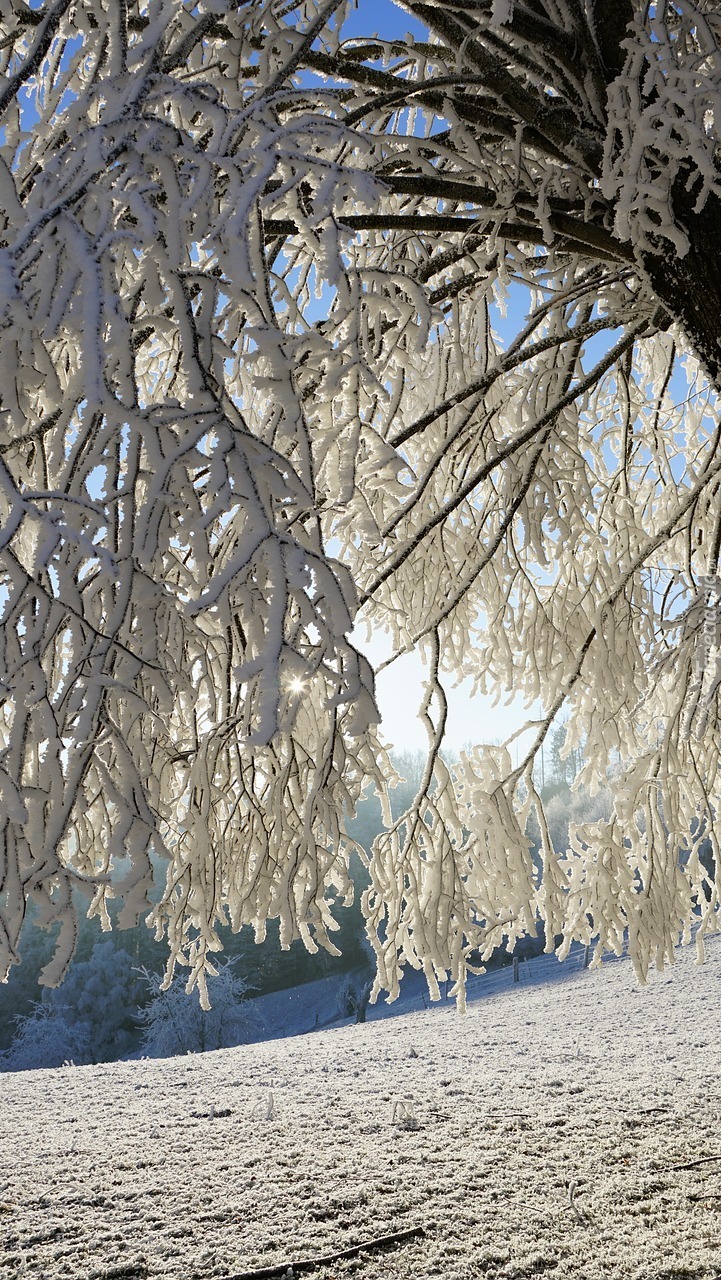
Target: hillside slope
{"type": "Point", "coordinates": [534, 1136]}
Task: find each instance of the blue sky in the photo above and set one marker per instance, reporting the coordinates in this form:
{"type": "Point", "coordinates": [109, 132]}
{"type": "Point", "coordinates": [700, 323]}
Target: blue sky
{"type": "Point", "coordinates": [382, 18]}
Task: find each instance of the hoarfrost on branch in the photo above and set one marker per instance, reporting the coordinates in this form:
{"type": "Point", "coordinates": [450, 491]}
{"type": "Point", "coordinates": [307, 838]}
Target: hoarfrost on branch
{"type": "Point", "coordinates": [253, 395]}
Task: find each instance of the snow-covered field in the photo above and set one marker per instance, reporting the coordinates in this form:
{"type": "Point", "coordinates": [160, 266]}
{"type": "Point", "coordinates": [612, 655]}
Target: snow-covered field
{"type": "Point", "coordinates": [535, 1136]}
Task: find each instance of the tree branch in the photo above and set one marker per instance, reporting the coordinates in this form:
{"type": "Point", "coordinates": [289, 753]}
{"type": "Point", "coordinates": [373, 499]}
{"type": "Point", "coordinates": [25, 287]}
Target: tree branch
{"type": "Point", "coordinates": [611, 19]}
{"type": "Point", "coordinates": [505, 451]}
{"type": "Point", "coordinates": [180, 55]}
{"type": "Point", "coordinates": [312, 1264]}
{"type": "Point", "coordinates": [471, 110]}
{"type": "Point", "coordinates": [577, 237]}
{"type": "Point", "coordinates": [297, 56]}
{"type": "Point", "coordinates": [557, 124]}
{"type": "Point", "coordinates": [690, 1164]}
{"type": "Point", "coordinates": [46, 31]}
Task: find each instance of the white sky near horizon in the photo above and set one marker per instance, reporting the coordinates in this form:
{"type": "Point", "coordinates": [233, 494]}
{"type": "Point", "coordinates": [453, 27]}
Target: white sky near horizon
{"type": "Point", "coordinates": [471, 720]}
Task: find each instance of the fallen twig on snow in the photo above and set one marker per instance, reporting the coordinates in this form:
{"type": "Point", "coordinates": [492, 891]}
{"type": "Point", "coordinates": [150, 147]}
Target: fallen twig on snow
{"type": "Point", "coordinates": [689, 1164]}
{"type": "Point", "coordinates": [137, 1270]}
{"type": "Point", "coordinates": [310, 1264]}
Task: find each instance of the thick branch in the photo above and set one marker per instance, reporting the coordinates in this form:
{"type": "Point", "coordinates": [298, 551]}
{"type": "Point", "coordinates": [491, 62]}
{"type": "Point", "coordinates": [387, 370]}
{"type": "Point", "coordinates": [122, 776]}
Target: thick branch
{"type": "Point", "coordinates": [576, 236]}
{"type": "Point", "coordinates": [612, 19]}
{"type": "Point", "coordinates": [557, 124]}
{"type": "Point", "coordinates": [179, 56]}
{"type": "Point", "coordinates": [470, 109]}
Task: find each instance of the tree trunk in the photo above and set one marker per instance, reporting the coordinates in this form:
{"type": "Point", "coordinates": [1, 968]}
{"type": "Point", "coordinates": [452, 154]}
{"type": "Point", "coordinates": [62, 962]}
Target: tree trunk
{"type": "Point", "coordinates": [690, 287]}
{"type": "Point", "coordinates": [362, 1009]}
{"type": "Point", "coordinates": [611, 20]}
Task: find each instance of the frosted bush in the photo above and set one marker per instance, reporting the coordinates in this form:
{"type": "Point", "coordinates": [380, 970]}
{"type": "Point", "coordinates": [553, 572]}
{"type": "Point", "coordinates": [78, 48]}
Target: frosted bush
{"type": "Point", "coordinates": [47, 1037]}
{"type": "Point", "coordinates": [172, 1023]}
{"type": "Point", "coordinates": [94, 1012]}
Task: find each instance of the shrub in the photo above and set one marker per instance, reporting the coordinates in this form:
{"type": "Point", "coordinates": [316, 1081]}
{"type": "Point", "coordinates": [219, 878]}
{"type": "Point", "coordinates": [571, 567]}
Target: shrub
{"type": "Point", "coordinates": [174, 1022]}
{"type": "Point", "coordinates": [47, 1037]}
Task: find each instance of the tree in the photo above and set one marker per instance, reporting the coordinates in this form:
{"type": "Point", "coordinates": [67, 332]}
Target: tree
{"type": "Point", "coordinates": [254, 392]}
{"type": "Point", "coordinates": [46, 1038]}
{"type": "Point", "coordinates": [172, 1024]}
{"type": "Point", "coordinates": [89, 1019]}
{"type": "Point", "coordinates": [564, 767]}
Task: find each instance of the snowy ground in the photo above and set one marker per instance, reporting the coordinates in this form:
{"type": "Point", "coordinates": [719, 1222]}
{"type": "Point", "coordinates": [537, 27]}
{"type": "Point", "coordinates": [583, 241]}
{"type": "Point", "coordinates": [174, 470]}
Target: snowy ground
{"type": "Point", "coordinates": [535, 1136]}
